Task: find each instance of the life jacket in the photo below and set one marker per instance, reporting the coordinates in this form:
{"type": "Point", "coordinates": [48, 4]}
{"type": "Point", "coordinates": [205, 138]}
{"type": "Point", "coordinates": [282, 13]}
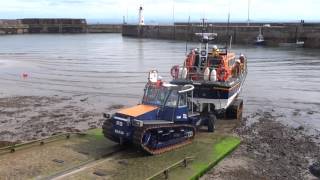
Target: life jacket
{"type": "Point", "coordinates": [189, 63]}
{"type": "Point", "coordinates": [174, 71]}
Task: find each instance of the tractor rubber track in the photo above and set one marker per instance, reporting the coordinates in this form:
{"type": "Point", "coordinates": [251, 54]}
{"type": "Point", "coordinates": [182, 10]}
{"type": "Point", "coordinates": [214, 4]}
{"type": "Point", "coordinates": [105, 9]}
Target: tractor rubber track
{"type": "Point", "coordinates": [107, 129]}
{"type": "Point", "coordinates": [139, 132]}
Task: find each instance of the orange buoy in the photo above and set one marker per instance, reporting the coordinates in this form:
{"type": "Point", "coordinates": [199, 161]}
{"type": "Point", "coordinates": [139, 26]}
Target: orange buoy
{"type": "Point", "coordinates": [25, 75]}
{"type": "Point", "coordinates": [222, 74]}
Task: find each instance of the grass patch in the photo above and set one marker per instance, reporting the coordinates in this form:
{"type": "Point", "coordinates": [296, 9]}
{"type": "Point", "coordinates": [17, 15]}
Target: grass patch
{"type": "Point", "coordinates": [95, 133]}
{"type": "Point", "coordinates": [220, 150]}
{"type": "Point", "coordinates": [207, 149]}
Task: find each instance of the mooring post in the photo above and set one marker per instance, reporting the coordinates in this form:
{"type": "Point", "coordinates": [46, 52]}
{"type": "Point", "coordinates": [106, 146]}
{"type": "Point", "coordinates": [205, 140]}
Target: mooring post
{"type": "Point", "coordinates": [60, 28]}
{"type": "Point", "coordinates": [166, 174]}
{"type": "Point", "coordinates": [185, 162]}
{"type": "Point", "coordinates": [12, 149]}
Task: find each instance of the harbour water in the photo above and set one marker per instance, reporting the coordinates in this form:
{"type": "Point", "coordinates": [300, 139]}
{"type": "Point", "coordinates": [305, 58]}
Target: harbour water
{"type": "Point", "coordinates": [283, 82]}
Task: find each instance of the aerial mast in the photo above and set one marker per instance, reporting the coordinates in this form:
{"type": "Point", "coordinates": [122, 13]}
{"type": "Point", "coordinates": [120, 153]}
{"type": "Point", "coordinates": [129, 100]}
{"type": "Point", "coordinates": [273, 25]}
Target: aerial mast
{"type": "Point", "coordinates": [173, 12]}
{"type": "Point", "coordinates": [248, 21]}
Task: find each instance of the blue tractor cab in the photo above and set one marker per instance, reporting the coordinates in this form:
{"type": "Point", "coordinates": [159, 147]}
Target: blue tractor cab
{"type": "Point", "coordinates": [170, 99]}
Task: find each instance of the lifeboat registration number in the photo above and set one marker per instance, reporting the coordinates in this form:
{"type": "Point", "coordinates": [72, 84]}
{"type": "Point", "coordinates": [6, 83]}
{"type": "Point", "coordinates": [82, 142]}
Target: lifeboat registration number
{"type": "Point", "coordinates": [118, 132]}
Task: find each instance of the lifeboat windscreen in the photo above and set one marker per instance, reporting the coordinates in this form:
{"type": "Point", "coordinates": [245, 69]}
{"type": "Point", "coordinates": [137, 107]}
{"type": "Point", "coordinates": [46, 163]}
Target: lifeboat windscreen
{"type": "Point", "coordinates": [214, 61]}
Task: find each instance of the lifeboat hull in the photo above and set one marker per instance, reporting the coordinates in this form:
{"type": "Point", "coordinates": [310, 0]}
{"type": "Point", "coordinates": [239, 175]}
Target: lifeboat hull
{"type": "Point", "coordinates": [220, 94]}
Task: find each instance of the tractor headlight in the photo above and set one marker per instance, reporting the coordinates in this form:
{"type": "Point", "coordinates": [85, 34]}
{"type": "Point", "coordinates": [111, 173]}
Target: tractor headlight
{"type": "Point", "coordinates": [129, 121]}
{"type": "Point", "coordinates": [137, 123]}
{"type": "Point", "coordinates": [106, 115]}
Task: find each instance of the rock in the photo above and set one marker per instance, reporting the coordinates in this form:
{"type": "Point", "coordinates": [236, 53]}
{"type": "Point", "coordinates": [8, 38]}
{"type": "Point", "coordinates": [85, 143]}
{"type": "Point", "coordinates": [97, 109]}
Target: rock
{"type": "Point", "coordinates": [84, 99]}
{"type": "Point", "coordinates": [123, 162]}
{"type": "Point", "coordinates": [4, 121]}
{"type": "Point", "coordinates": [58, 161]}
{"type": "Point", "coordinates": [39, 131]}
{"type": "Point", "coordinates": [100, 173]}
{"type": "Point", "coordinates": [282, 153]}
{"type": "Point", "coordinates": [315, 169]}
{"type": "Point", "coordinates": [310, 112]}
{"type": "Point", "coordinates": [56, 133]}
{"type": "Point", "coordinates": [37, 105]}
{"type": "Point", "coordinates": [115, 106]}
{"type": "Point", "coordinates": [83, 152]}
{"type": "Point", "coordinates": [300, 128]}
{"type": "Point", "coordinates": [92, 126]}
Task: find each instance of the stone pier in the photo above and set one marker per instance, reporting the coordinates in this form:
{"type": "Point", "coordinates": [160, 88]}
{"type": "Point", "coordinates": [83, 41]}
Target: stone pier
{"type": "Point", "coordinates": [241, 34]}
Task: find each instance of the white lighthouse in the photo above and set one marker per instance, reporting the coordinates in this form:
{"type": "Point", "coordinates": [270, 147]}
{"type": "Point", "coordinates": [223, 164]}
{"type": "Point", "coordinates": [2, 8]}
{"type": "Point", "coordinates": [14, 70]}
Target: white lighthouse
{"type": "Point", "coordinates": [141, 18]}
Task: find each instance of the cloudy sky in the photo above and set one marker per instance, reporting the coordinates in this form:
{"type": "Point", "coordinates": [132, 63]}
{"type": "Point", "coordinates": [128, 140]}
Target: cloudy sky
{"type": "Point", "coordinates": [162, 10]}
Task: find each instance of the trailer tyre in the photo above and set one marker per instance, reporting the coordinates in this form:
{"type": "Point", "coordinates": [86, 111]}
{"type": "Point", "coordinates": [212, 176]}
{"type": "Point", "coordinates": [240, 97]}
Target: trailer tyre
{"type": "Point", "coordinates": [211, 122]}
{"type": "Point", "coordinates": [234, 111]}
{"type": "Point", "coordinates": [239, 111]}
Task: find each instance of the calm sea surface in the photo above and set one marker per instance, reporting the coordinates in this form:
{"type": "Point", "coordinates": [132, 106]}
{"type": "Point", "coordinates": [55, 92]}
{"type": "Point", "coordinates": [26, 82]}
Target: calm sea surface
{"type": "Point", "coordinates": [284, 82]}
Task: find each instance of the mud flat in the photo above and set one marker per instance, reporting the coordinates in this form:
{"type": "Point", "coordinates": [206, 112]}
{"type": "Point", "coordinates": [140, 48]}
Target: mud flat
{"type": "Point", "coordinates": [269, 150]}
{"type": "Point", "coordinates": [25, 118]}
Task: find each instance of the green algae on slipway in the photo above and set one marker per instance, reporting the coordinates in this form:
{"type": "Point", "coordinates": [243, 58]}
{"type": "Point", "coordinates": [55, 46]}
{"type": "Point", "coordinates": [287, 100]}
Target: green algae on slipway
{"type": "Point", "coordinates": [207, 149]}
{"type": "Point", "coordinates": [40, 161]}
{"type": "Point", "coordinates": [90, 156]}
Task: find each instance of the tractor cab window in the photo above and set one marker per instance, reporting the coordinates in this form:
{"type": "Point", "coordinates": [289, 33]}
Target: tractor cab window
{"type": "Point", "coordinates": [183, 100]}
{"type": "Point", "coordinates": [155, 95]}
{"type": "Point", "coordinates": [172, 99]}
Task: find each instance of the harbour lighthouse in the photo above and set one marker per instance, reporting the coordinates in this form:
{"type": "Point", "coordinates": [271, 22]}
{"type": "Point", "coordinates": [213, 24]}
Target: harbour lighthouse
{"type": "Point", "coordinates": [141, 18]}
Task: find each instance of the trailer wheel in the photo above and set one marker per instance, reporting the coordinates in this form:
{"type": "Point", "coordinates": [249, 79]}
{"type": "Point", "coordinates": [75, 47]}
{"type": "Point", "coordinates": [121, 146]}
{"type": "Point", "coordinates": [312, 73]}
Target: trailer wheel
{"type": "Point", "coordinates": [239, 111]}
{"type": "Point", "coordinates": [211, 122]}
{"type": "Point", "coordinates": [234, 111]}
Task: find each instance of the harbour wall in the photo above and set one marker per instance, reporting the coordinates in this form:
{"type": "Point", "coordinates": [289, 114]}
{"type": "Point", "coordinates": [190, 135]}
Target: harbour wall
{"type": "Point", "coordinates": [62, 25]}
{"type": "Point", "coordinates": [8, 26]}
{"type": "Point", "coordinates": [104, 28]}
{"type": "Point", "coordinates": [240, 34]}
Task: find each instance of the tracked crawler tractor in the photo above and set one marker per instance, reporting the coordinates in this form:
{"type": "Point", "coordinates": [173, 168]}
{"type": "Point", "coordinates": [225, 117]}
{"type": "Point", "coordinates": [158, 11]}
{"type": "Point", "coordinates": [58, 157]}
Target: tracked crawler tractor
{"type": "Point", "coordinates": [165, 120]}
